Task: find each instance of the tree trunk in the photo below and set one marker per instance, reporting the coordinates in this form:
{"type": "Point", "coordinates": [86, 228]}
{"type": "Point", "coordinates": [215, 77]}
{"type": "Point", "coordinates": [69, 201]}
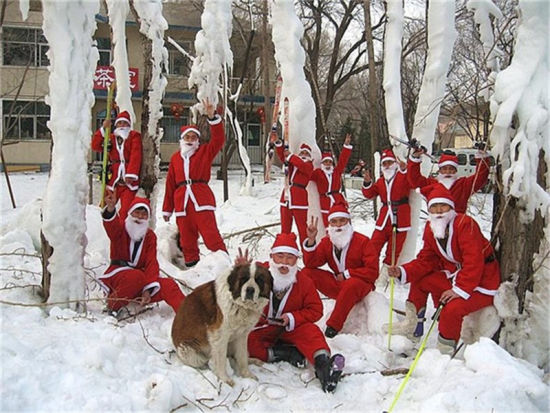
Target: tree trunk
{"type": "Point", "coordinates": [46, 251]}
{"type": "Point", "coordinates": [268, 110]}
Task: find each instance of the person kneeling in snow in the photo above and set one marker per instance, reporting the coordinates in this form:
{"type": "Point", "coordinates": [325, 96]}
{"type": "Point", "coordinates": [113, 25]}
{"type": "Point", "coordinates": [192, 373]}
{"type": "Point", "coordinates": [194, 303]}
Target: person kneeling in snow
{"type": "Point", "coordinates": [456, 265]}
{"type": "Point", "coordinates": [133, 274]}
{"type": "Point", "coordinates": [352, 260]}
{"type": "Point", "coordinates": [287, 329]}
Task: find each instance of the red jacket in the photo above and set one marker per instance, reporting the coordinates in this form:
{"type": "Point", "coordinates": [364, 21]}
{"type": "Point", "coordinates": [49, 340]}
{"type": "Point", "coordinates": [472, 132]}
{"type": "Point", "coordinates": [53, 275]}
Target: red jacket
{"type": "Point", "coordinates": [299, 173]}
{"type": "Point", "coordinates": [462, 187]}
{"type": "Point", "coordinates": [330, 185]}
{"type": "Point", "coordinates": [125, 159]}
{"type": "Point", "coordinates": [122, 247]}
{"type": "Point", "coordinates": [356, 260]}
{"type": "Point", "coordinates": [395, 192]}
{"type": "Point", "coordinates": [301, 303]}
{"type": "Point", "coordinates": [179, 191]}
{"type": "Point", "coordinates": [468, 259]}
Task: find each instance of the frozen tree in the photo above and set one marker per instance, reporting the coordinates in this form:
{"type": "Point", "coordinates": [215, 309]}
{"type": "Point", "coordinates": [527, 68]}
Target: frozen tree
{"type": "Point", "coordinates": [68, 28]}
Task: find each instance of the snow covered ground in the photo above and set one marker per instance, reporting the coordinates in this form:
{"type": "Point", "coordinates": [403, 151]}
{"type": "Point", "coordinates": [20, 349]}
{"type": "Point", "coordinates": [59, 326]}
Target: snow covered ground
{"type": "Point", "coordinates": [63, 361]}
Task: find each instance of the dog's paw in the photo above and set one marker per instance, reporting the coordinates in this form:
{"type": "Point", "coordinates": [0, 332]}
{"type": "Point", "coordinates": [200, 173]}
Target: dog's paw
{"type": "Point", "coordinates": [229, 381]}
{"type": "Point", "coordinates": [248, 374]}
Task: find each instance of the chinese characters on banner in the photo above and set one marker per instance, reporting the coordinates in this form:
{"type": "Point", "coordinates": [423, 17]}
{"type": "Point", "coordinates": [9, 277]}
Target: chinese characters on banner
{"type": "Point", "coordinates": [104, 76]}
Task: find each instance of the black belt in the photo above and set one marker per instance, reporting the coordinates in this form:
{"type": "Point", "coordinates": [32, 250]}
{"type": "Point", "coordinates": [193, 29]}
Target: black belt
{"type": "Point", "coordinates": [298, 185]}
{"type": "Point", "coordinates": [402, 201]}
{"type": "Point", "coordinates": [331, 193]}
{"type": "Point", "coordinates": [117, 161]}
{"type": "Point", "coordinates": [191, 182]}
{"type": "Point", "coordinates": [490, 259]}
{"type": "Point", "coordinates": [120, 263]}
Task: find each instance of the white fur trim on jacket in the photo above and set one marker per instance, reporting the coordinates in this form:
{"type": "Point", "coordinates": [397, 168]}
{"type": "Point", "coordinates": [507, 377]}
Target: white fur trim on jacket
{"type": "Point", "coordinates": [291, 322]}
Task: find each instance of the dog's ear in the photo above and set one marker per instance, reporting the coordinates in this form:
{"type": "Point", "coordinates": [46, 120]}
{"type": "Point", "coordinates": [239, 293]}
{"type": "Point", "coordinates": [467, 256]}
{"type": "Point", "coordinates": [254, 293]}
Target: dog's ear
{"type": "Point", "coordinates": [266, 284]}
{"type": "Point", "coordinates": [237, 278]}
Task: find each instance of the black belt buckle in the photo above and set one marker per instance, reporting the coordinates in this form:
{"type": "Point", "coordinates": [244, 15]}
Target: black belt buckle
{"type": "Point", "coordinates": [188, 182]}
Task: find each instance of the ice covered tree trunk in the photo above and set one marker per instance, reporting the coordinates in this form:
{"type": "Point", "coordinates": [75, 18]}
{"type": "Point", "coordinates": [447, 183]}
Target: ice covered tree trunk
{"type": "Point", "coordinates": [152, 26]}
{"type": "Point", "coordinates": [287, 32]}
{"type": "Point", "coordinates": [68, 28]}
{"type": "Point", "coordinates": [441, 37]}
{"type": "Point", "coordinates": [521, 142]}
{"type": "Point", "coordinates": [118, 10]}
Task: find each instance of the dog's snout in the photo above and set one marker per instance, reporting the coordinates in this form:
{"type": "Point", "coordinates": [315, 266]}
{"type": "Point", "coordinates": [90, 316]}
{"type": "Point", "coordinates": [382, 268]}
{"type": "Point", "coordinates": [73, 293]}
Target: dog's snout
{"type": "Point", "coordinates": [249, 293]}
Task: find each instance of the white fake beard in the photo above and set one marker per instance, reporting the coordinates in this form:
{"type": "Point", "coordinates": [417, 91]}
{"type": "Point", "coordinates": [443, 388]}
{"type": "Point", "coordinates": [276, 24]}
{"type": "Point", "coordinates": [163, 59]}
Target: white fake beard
{"type": "Point", "coordinates": [136, 228]}
{"type": "Point", "coordinates": [447, 180]}
{"type": "Point", "coordinates": [122, 132]}
{"type": "Point", "coordinates": [328, 169]}
{"type": "Point", "coordinates": [439, 222]}
{"type": "Point", "coordinates": [281, 282]}
{"type": "Point", "coordinates": [340, 236]}
{"type": "Point", "coordinates": [389, 172]}
{"type": "Point", "coordinates": [187, 148]}
{"type": "Point", "coordinates": [305, 158]}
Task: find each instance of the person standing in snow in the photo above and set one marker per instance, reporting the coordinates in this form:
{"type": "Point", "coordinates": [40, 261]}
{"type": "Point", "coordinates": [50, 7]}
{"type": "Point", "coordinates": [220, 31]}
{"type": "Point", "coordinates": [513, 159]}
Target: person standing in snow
{"type": "Point", "coordinates": [352, 261]}
{"type": "Point", "coordinates": [124, 159]}
{"type": "Point", "coordinates": [294, 199]}
{"type": "Point", "coordinates": [329, 178]}
{"type": "Point", "coordinates": [187, 191]}
{"type": "Point", "coordinates": [456, 265]}
{"type": "Point", "coordinates": [286, 330]}
{"type": "Point", "coordinates": [461, 188]}
{"type": "Point", "coordinates": [133, 273]}
{"type": "Point", "coordinates": [394, 219]}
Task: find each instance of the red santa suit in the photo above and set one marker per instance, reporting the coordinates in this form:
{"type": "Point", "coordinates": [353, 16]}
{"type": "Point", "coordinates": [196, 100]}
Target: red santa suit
{"type": "Point", "coordinates": [189, 196]}
{"type": "Point", "coordinates": [395, 210]}
{"type": "Point", "coordinates": [329, 184]}
{"type": "Point", "coordinates": [464, 262]}
{"type": "Point", "coordinates": [357, 262]}
{"type": "Point", "coordinates": [124, 162]}
{"type": "Point", "coordinates": [294, 202]}
{"type": "Point", "coordinates": [462, 188]}
{"type": "Point", "coordinates": [134, 267]}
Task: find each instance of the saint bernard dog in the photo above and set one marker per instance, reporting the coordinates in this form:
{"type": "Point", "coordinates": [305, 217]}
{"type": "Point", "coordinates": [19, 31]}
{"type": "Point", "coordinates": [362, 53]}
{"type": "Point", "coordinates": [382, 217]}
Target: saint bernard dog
{"type": "Point", "coordinates": [213, 321]}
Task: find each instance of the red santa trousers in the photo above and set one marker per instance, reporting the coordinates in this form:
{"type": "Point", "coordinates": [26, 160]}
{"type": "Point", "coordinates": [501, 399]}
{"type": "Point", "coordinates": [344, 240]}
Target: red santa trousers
{"type": "Point", "coordinates": [193, 224]}
{"type": "Point", "coordinates": [381, 236]}
{"type": "Point", "coordinates": [452, 314]}
{"type": "Point", "coordinates": [300, 218]}
{"type": "Point", "coordinates": [307, 338]}
{"type": "Point", "coordinates": [128, 284]}
{"type": "Point", "coordinates": [126, 196]}
{"type": "Point", "coordinates": [347, 293]}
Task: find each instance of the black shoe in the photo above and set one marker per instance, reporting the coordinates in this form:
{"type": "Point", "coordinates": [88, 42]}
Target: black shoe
{"type": "Point", "coordinates": [337, 363]}
{"type": "Point", "coordinates": [322, 370]}
{"type": "Point", "coordinates": [287, 353]}
{"type": "Point", "coordinates": [330, 332]}
{"type": "Point", "coordinates": [191, 264]}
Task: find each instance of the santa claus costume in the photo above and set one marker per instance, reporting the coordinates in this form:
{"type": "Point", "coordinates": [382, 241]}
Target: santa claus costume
{"type": "Point", "coordinates": [188, 194]}
{"type": "Point", "coordinates": [455, 257]}
{"type": "Point", "coordinates": [294, 199]}
{"type": "Point", "coordinates": [124, 160]}
{"type": "Point", "coordinates": [134, 268]}
{"type": "Point", "coordinates": [348, 253]}
{"type": "Point", "coordinates": [393, 189]}
{"type": "Point", "coordinates": [329, 180]}
{"type": "Point", "coordinates": [461, 188]}
{"type": "Point", "coordinates": [294, 296]}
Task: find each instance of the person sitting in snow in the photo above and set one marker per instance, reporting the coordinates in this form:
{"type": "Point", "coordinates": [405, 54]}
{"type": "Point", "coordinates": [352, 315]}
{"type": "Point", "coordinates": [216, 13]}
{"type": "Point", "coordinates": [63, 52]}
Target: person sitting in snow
{"type": "Point", "coordinates": [461, 188]}
{"type": "Point", "coordinates": [294, 199]}
{"type": "Point", "coordinates": [133, 273]}
{"type": "Point", "coordinates": [124, 159]}
{"type": "Point", "coordinates": [394, 219]}
{"type": "Point", "coordinates": [329, 178]}
{"type": "Point", "coordinates": [187, 191]}
{"type": "Point", "coordinates": [456, 265]}
{"type": "Point", "coordinates": [287, 330]}
{"type": "Point", "coordinates": [352, 261]}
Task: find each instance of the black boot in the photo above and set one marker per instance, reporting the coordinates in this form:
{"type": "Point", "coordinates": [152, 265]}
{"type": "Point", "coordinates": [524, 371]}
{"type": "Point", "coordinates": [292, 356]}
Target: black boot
{"type": "Point", "coordinates": [322, 370]}
{"type": "Point", "coordinates": [337, 363]}
{"type": "Point", "coordinates": [330, 332]}
{"type": "Point", "coordinates": [290, 354]}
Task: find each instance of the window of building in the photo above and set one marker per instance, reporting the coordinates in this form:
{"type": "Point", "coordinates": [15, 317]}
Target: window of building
{"type": "Point", "coordinates": [171, 125]}
{"type": "Point", "coordinates": [28, 120]}
{"type": "Point", "coordinates": [178, 63]}
{"type": "Point", "coordinates": [24, 46]}
{"type": "Point", "coordinates": [104, 49]}
{"type": "Point", "coordinates": [253, 131]}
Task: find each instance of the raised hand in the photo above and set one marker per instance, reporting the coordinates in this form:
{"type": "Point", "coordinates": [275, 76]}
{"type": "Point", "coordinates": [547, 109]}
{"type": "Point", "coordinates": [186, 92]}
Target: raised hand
{"type": "Point", "coordinates": [110, 200]}
{"type": "Point", "coordinates": [417, 153]}
{"type": "Point", "coordinates": [367, 177]}
{"type": "Point", "coordinates": [209, 108]}
{"type": "Point", "coordinates": [312, 229]}
{"type": "Point", "coordinates": [273, 136]}
{"type": "Point", "coordinates": [347, 140]}
{"type": "Point", "coordinates": [242, 259]}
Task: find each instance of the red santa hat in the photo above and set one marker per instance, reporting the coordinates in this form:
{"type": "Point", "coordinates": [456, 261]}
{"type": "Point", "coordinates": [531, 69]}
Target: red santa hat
{"type": "Point", "coordinates": [140, 203]}
{"type": "Point", "coordinates": [305, 147]}
{"type": "Point", "coordinates": [125, 117]}
{"type": "Point", "coordinates": [285, 243]}
{"type": "Point", "coordinates": [338, 210]}
{"type": "Point", "coordinates": [437, 194]}
{"type": "Point", "coordinates": [189, 128]}
{"type": "Point", "coordinates": [448, 159]}
{"type": "Point", "coordinates": [327, 156]}
{"type": "Point", "coordinates": [387, 155]}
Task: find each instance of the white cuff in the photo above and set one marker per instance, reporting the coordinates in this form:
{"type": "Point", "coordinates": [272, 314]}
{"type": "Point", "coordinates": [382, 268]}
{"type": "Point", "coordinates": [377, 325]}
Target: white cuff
{"type": "Point", "coordinates": [131, 176]}
{"type": "Point", "coordinates": [108, 219]}
{"type": "Point", "coordinates": [102, 130]}
{"type": "Point", "coordinates": [289, 156]}
{"type": "Point", "coordinates": [461, 292]}
{"type": "Point", "coordinates": [403, 278]}
{"type": "Point", "coordinates": [155, 286]}
{"type": "Point", "coordinates": [217, 119]}
{"type": "Point", "coordinates": [309, 249]}
{"type": "Point", "coordinates": [278, 142]}
{"type": "Point", "coordinates": [415, 160]}
{"type": "Point", "coordinates": [348, 146]}
{"type": "Point", "coordinates": [291, 322]}
{"type": "Point", "coordinates": [346, 274]}
{"type": "Point", "coordinates": [369, 185]}
{"type": "Point", "coordinates": [166, 214]}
